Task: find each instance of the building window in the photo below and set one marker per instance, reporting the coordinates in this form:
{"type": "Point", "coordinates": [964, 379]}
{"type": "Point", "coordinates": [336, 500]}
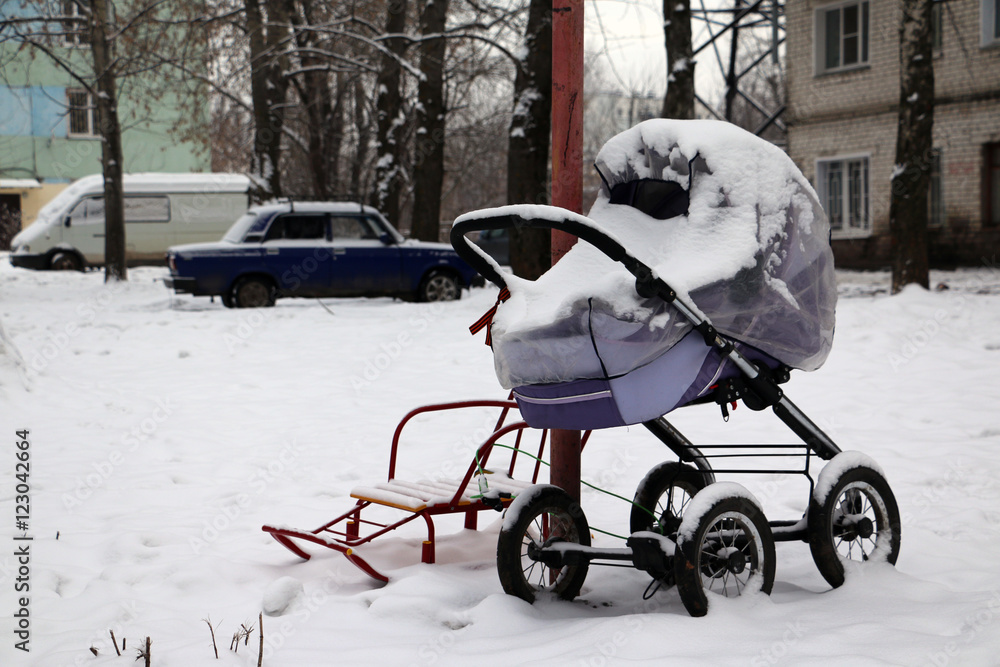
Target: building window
{"type": "Point", "coordinates": [844, 192]}
{"type": "Point", "coordinates": [937, 27]}
{"type": "Point", "coordinates": [74, 25]}
{"type": "Point", "coordinates": [935, 198]}
{"type": "Point", "coordinates": [841, 37]}
{"type": "Point", "coordinates": [991, 184]}
{"type": "Point", "coordinates": [82, 114]}
{"type": "Point", "coordinates": [990, 22]}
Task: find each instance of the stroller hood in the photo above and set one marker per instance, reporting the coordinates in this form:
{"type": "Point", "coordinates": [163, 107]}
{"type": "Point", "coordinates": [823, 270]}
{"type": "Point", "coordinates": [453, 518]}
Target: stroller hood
{"type": "Point", "coordinates": [724, 217]}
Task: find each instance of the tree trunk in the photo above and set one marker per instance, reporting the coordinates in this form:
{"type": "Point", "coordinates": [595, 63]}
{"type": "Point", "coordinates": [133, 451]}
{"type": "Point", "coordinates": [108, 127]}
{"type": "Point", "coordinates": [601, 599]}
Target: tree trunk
{"type": "Point", "coordinates": [732, 82]}
{"type": "Point", "coordinates": [268, 90]}
{"type": "Point", "coordinates": [679, 100]}
{"type": "Point", "coordinates": [363, 129]}
{"type": "Point", "coordinates": [528, 152]}
{"type": "Point", "coordinates": [914, 147]}
{"type": "Point", "coordinates": [106, 100]}
{"type": "Point", "coordinates": [390, 117]}
{"type": "Point", "coordinates": [428, 174]}
{"type": "Point", "coordinates": [321, 106]}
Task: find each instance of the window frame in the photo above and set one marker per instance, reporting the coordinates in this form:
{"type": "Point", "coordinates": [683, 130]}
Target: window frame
{"type": "Point", "coordinates": [74, 25]}
{"type": "Point", "coordinates": [820, 16]}
{"type": "Point", "coordinates": [846, 231]}
{"type": "Point", "coordinates": [91, 114]}
{"type": "Point", "coordinates": [989, 15]}
{"type": "Point", "coordinates": [281, 218]}
{"type": "Point", "coordinates": [991, 203]}
{"type": "Point", "coordinates": [937, 27]}
{"type": "Point", "coordinates": [147, 220]}
{"type": "Point", "coordinates": [937, 215]}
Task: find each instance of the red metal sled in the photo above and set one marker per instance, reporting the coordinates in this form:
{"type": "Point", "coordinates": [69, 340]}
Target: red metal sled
{"type": "Point", "coordinates": [424, 499]}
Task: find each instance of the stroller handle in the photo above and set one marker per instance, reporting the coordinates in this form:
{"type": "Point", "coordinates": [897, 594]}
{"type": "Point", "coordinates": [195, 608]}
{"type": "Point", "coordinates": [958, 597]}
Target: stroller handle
{"type": "Point", "coordinates": [532, 217]}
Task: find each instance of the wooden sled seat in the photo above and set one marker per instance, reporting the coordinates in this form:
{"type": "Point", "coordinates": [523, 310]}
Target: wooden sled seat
{"type": "Point", "coordinates": [419, 496]}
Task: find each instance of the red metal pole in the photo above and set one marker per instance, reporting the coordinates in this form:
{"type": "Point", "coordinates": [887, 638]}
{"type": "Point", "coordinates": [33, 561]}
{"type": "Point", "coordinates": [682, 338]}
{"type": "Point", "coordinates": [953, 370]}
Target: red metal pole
{"type": "Point", "coordinates": [567, 184]}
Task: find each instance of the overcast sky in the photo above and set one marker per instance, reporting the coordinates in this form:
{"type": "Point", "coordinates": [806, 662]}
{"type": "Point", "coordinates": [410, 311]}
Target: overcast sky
{"type": "Point", "coordinates": [627, 37]}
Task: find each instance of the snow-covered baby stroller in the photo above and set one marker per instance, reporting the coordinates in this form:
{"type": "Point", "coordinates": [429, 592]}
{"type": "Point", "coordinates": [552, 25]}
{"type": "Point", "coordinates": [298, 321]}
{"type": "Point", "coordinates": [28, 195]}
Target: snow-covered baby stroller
{"type": "Point", "coordinates": [706, 276]}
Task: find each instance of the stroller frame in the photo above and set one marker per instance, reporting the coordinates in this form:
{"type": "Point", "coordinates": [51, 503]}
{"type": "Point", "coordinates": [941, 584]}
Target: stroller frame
{"type": "Point", "coordinates": [851, 502]}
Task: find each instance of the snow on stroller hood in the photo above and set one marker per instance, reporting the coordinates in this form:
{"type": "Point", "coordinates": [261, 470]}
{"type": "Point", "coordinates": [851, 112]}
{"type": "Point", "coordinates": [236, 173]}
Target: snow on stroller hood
{"type": "Point", "coordinates": [752, 254]}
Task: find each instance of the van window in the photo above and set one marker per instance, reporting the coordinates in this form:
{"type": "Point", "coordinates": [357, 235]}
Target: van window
{"type": "Point", "coordinates": [147, 209]}
{"type": "Point", "coordinates": [89, 211]}
{"type": "Point", "coordinates": [297, 227]}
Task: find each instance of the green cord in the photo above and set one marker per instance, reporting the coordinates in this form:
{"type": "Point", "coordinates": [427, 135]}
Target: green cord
{"type": "Point", "coordinates": [595, 488]}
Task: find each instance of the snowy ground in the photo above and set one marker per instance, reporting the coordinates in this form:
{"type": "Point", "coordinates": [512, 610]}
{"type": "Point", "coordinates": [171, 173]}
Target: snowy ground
{"type": "Point", "coordinates": [164, 431]}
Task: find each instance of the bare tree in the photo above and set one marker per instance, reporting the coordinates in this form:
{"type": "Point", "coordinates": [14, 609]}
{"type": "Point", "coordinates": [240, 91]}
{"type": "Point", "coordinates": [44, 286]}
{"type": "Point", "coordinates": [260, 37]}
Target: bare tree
{"type": "Point", "coordinates": [390, 114]}
{"type": "Point", "coordinates": [530, 129]}
{"type": "Point", "coordinates": [268, 33]}
{"type": "Point", "coordinates": [430, 121]}
{"type": "Point", "coordinates": [914, 146]}
{"type": "Point", "coordinates": [679, 99]}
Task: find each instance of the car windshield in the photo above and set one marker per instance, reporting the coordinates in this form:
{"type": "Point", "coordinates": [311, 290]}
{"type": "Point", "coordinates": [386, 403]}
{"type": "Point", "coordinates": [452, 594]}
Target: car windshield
{"type": "Point", "coordinates": [240, 228]}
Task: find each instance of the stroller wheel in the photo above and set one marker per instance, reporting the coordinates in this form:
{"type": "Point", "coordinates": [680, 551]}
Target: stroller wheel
{"type": "Point", "coordinates": [853, 518]}
{"type": "Point", "coordinates": [724, 548]}
{"type": "Point", "coordinates": [539, 517]}
{"type": "Point", "coordinates": [662, 496]}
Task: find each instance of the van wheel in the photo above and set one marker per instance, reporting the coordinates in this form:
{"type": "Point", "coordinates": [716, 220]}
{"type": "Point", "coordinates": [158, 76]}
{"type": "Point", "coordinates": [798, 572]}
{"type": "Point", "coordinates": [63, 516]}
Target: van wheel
{"type": "Point", "coordinates": [227, 299]}
{"type": "Point", "coordinates": [253, 292]}
{"type": "Point", "coordinates": [65, 261]}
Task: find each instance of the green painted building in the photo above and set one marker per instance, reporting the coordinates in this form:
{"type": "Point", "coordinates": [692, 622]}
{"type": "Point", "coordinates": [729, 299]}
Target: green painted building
{"type": "Point", "coordinates": [48, 124]}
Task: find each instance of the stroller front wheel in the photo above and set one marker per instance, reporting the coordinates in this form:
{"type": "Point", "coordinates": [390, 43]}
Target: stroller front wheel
{"type": "Point", "coordinates": [853, 519]}
{"type": "Point", "coordinates": [724, 547]}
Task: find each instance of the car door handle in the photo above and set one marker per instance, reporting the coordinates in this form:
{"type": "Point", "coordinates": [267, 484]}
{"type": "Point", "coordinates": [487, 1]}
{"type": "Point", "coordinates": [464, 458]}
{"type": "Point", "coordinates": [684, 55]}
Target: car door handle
{"type": "Point", "coordinates": [272, 251]}
{"type": "Point", "coordinates": [339, 251]}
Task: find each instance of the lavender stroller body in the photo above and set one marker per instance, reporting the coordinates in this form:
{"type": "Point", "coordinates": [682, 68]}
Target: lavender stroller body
{"type": "Point", "coordinates": [705, 276]}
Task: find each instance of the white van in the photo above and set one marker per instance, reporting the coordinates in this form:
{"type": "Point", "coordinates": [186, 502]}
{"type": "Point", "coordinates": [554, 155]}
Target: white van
{"type": "Point", "coordinates": [161, 210]}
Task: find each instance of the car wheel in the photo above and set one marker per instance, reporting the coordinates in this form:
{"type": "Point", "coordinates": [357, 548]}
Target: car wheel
{"type": "Point", "coordinates": [227, 299]}
{"type": "Point", "coordinates": [65, 261]}
{"type": "Point", "coordinates": [253, 292]}
{"type": "Point", "coordinates": [440, 287]}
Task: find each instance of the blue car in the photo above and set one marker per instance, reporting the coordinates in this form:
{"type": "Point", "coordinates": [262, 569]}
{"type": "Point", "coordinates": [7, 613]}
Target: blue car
{"type": "Point", "coordinates": [314, 249]}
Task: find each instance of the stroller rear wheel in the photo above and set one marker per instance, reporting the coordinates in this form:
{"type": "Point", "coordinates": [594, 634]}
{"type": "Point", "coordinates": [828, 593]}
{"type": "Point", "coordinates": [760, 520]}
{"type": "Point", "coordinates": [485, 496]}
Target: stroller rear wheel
{"type": "Point", "coordinates": [662, 496]}
{"type": "Point", "coordinates": [538, 518]}
{"type": "Point", "coordinates": [724, 547]}
{"type": "Point", "coordinates": [856, 521]}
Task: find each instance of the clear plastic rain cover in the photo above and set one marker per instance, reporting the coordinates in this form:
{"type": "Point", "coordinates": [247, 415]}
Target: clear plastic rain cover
{"type": "Point", "coordinates": [751, 253]}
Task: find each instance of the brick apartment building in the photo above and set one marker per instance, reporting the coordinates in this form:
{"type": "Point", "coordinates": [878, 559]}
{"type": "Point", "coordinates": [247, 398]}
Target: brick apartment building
{"type": "Point", "coordinates": [843, 91]}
